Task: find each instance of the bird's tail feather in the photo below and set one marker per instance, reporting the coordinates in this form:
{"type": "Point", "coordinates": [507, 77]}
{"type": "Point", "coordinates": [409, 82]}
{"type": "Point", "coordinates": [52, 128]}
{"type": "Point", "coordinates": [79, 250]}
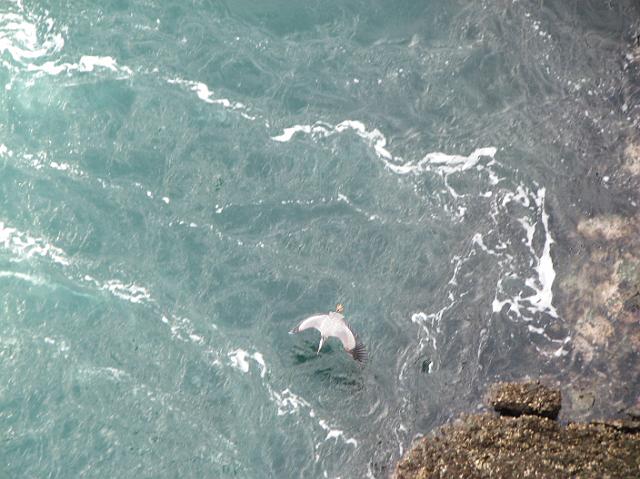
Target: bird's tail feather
{"type": "Point", "coordinates": [359, 353]}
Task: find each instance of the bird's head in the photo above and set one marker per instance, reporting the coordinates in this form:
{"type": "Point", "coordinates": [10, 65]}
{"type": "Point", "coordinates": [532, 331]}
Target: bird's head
{"type": "Point", "coordinates": [339, 308]}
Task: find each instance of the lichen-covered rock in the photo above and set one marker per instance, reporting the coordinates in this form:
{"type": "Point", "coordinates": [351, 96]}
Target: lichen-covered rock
{"type": "Point", "coordinates": [486, 446]}
{"type": "Point", "coordinates": [608, 228]}
{"type": "Point", "coordinates": [516, 399]}
{"type": "Point", "coordinates": [632, 159]}
{"type": "Point", "coordinates": [633, 412]}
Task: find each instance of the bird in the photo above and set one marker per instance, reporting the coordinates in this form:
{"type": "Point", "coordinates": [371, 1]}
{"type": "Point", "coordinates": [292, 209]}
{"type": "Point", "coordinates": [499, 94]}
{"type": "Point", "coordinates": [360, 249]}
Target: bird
{"type": "Point", "coordinates": [333, 324]}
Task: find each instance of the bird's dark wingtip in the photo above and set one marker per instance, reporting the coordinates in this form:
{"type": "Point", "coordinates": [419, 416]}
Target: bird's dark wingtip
{"type": "Point", "coordinates": [359, 353]}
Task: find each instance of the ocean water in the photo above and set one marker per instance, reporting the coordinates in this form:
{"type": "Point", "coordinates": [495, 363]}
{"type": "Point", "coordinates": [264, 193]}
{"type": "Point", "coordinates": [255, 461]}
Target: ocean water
{"type": "Point", "coordinates": [182, 182]}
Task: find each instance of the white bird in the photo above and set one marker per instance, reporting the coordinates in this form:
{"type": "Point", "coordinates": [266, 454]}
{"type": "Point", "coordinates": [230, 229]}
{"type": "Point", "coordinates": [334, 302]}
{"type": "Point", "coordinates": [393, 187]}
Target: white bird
{"type": "Point", "coordinates": [333, 324]}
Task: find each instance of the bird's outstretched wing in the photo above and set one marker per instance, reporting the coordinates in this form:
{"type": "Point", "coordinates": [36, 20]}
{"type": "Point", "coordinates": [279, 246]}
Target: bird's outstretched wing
{"type": "Point", "coordinates": [310, 322]}
{"type": "Point", "coordinates": [351, 344]}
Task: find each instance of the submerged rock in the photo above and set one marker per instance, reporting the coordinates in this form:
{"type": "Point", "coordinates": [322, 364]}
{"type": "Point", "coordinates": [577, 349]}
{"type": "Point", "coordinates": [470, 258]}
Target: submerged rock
{"type": "Point", "coordinates": [533, 446]}
{"type": "Point", "coordinates": [599, 292]}
{"type": "Point", "coordinates": [581, 399]}
{"type": "Point", "coordinates": [516, 399]}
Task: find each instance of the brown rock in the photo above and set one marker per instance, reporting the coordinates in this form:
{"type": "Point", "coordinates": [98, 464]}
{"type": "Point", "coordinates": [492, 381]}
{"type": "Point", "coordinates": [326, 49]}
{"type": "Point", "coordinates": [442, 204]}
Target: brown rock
{"type": "Point", "coordinates": [486, 446]}
{"type": "Point", "coordinates": [532, 398]}
{"type": "Point", "coordinates": [596, 329]}
{"type": "Point", "coordinates": [632, 303]}
{"type": "Point", "coordinates": [609, 228]}
{"type": "Point", "coordinates": [632, 158]}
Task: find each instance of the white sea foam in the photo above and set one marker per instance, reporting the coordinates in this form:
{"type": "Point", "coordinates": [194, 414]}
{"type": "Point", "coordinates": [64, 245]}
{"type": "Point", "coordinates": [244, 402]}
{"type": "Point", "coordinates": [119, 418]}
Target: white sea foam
{"type": "Point", "coordinates": [336, 434]}
{"type": "Point", "coordinates": [448, 164]}
{"type": "Point", "coordinates": [453, 281]}
{"type": "Point", "coordinates": [430, 324]}
{"type": "Point", "coordinates": [203, 92]}
{"type": "Point", "coordinates": [182, 328]}
{"type": "Point", "coordinates": [527, 274]}
{"type": "Point", "coordinates": [128, 291]}
{"type": "Point", "coordinates": [72, 170]}
{"type": "Point", "coordinates": [288, 133]}
{"type": "Point", "coordinates": [35, 280]}
{"type": "Point", "coordinates": [115, 373]}
{"type": "Point", "coordinates": [530, 230]}
{"type": "Point", "coordinates": [546, 273]}
{"type": "Point", "coordinates": [477, 239]}
{"type": "Point", "coordinates": [520, 196]}
{"type": "Point", "coordinates": [59, 166]}
{"type": "Point", "coordinates": [238, 359]}
{"type": "Point", "coordinates": [341, 198]}
{"type": "Point", "coordinates": [4, 151]}
{"type": "Point", "coordinates": [542, 282]}
{"type": "Point", "coordinates": [60, 345]}
{"type": "Point", "coordinates": [373, 137]}
{"type": "Point", "coordinates": [25, 246]}
{"type": "Point", "coordinates": [19, 37]}
{"type": "Point", "coordinates": [86, 64]}
{"type": "Point", "coordinates": [441, 162]}
{"type": "Point", "coordinates": [260, 360]}
{"type": "Point", "coordinates": [289, 403]}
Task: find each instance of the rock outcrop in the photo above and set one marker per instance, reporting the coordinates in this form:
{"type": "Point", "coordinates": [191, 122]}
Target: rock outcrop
{"type": "Point", "coordinates": [530, 445]}
{"type": "Point", "coordinates": [532, 398]}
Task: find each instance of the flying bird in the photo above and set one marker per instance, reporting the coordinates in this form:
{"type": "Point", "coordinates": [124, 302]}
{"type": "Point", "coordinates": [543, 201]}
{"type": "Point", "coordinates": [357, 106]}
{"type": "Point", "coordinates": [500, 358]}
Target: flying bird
{"type": "Point", "coordinates": [333, 324]}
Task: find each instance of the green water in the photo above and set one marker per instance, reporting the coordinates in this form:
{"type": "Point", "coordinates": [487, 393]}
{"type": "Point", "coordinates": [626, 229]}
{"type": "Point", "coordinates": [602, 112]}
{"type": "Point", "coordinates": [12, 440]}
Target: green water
{"type": "Point", "coordinates": [182, 182]}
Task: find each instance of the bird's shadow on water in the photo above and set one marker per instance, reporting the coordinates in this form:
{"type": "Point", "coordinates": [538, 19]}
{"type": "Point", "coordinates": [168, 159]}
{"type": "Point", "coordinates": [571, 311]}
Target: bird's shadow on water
{"type": "Point", "coordinates": [329, 366]}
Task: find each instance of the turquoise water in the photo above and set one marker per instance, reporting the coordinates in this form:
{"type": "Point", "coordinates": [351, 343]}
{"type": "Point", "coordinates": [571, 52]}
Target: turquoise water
{"type": "Point", "coordinates": [181, 183]}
